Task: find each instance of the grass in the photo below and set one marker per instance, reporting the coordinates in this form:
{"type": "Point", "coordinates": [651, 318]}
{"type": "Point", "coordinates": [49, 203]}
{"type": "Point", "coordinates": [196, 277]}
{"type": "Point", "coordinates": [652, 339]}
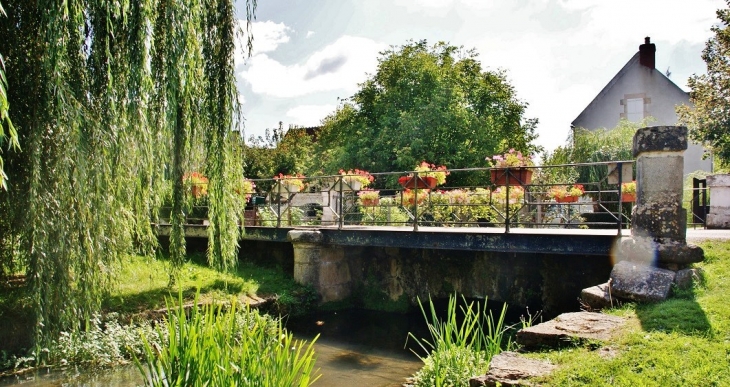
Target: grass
{"type": "Point", "coordinates": [142, 285]}
{"type": "Point", "coordinates": [684, 341]}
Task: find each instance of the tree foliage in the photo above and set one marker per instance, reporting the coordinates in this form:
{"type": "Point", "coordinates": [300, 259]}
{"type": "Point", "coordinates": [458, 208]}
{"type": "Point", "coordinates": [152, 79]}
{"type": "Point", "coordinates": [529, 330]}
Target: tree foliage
{"type": "Point", "coordinates": [591, 146]}
{"type": "Point", "coordinates": [278, 152]}
{"type": "Point", "coordinates": [5, 124]}
{"type": "Point", "coordinates": [431, 103]}
{"type": "Point", "coordinates": [709, 120]}
{"type": "Point", "coordinates": [110, 98]}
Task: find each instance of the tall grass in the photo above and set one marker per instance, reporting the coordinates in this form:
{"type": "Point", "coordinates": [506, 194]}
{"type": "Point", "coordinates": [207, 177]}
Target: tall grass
{"type": "Point", "coordinates": [458, 349]}
{"type": "Point", "coordinates": [224, 346]}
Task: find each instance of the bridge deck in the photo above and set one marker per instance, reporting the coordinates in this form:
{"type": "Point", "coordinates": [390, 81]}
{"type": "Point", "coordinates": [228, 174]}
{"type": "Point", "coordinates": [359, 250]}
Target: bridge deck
{"type": "Point", "coordinates": [518, 240]}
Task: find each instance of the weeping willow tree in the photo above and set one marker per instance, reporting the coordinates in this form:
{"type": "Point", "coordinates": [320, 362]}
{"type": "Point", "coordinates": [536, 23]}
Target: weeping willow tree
{"type": "Point", "coordinates": [11, 137]}
{"type": "Point", "coordinates": [110, 98]}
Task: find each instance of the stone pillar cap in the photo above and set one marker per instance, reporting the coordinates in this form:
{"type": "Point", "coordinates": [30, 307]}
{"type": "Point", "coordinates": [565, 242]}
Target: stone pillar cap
{"type": "Point", "coordinates": [718, 180]}
{"type": "Point", "coordinates": [660, 138]}
{"type": "Point", "coordinates": [304, 236]}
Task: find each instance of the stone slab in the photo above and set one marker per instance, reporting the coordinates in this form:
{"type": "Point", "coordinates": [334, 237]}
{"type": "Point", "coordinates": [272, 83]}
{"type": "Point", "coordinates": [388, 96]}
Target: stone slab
{"type": "Point", "coordinates": [641, 283]}
{"type": "Point", "coordinates": [511, 369]}
{"type": "Point", "coordinates": [660, 139]}
{"type": "Point", "coordinates": [648, 251]}
{"type": "Point", "coordinates": [305, 236]}
{"type": "Point", "coordinates": [569, 328]}
{"type": "Point", "coordinates": [598, 297]}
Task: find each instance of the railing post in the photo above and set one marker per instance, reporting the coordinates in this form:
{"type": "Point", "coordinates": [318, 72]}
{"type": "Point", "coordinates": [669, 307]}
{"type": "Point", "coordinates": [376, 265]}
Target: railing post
{"type": "Point", "coordinates": [620, 203]}
{"type": "Point", "coordinates": [278, 205]}
{"type": "Point", "coordinates": [506, 206]}
{"type": "Point", "coordinates": [341, 204]}
{"type": "Point", "coordinates": [416, 179]}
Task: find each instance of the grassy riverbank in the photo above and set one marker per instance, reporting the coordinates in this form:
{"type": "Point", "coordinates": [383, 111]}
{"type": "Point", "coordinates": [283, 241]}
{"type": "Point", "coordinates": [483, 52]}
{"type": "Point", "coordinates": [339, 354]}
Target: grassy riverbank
{"type": "Point", "coordinates": [684, 341]}
{"type": "Point", "coordinates": [141, 286]}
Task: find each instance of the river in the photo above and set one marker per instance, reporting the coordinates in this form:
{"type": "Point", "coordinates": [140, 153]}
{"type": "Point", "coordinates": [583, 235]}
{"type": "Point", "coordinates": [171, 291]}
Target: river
{"type": "Point", "coordinates": [355, 348]}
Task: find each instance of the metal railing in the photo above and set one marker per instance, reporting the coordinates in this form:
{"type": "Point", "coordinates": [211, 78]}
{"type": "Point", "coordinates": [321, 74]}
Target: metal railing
{"type": "Point", "coordinates": [469, 198]}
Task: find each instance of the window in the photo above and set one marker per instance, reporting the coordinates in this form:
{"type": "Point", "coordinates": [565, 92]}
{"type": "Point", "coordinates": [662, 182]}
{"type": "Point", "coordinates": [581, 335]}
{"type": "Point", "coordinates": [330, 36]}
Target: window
{"type": "Point", "coordinates": [635, 109]}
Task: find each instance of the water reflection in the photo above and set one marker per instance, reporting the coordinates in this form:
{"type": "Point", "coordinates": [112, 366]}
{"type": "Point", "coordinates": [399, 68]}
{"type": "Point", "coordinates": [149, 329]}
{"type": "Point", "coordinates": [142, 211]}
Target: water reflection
{"type": "Point", "coordinates": [361, 348]}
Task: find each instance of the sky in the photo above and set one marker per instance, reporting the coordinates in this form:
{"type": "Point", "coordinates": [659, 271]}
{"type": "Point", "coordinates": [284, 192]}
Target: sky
{"type": "Point", "coordinates": [558, 54]}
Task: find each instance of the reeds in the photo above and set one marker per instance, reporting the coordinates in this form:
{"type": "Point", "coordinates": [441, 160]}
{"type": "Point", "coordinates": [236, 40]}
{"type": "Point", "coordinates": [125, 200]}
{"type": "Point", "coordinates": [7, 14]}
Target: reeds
{"type": "Point", "coordinates": [225, 346]}
{"type": "Point", "coordinates": [462, 345]}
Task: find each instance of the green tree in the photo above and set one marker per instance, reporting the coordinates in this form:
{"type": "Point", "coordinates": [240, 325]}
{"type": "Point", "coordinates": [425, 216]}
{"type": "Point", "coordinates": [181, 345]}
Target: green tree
{"type": "Point", "coordinates": [709, 120]}
{"type": "Point", "coordinates": [12, 136]}
{"type": "Point", "coordinates": [426, 103]}
{"type": "Point", "coordinates": [109, 98]}
{"type": "Point", "coordinates": [279, 152]}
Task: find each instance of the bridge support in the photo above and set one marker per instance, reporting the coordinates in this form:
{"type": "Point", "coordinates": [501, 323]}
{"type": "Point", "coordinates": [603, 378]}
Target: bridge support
{"type": "Point", "coordinates": [319, 265]}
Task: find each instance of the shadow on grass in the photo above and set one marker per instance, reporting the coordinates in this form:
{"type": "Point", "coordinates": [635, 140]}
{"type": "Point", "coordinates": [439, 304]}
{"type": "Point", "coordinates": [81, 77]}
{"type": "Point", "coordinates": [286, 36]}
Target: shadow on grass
{"type": "Point", "coordinates": [678, 314]}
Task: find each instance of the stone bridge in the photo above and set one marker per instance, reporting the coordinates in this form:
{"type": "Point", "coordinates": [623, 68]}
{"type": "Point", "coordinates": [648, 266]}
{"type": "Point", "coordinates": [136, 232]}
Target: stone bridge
{"type": "Point", "coordinates": [541, 268]}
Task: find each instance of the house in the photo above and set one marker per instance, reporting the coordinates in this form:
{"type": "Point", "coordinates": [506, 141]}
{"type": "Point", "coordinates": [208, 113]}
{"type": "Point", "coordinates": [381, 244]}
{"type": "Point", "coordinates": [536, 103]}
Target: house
{"type": "Point", "coordinates": [637, 91]}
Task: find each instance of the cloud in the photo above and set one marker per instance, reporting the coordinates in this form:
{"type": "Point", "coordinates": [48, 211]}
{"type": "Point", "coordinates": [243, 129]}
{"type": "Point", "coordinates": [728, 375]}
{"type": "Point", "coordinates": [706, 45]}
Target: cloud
{"type": "Point", "coordinates": [309, 34]}
{"type": "Point", "coordinates": [328, 65]}
{"type": "Point", "coordinates": [336, 67]}
{"type": "Point", "coordinates": [267, 35]}
{"type": "Point", "coordinates": [309, 115]}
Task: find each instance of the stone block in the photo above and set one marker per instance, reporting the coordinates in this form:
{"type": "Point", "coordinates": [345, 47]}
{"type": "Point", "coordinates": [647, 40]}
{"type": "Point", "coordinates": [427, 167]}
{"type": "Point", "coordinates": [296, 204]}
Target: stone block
{"type": "Point", "coordinates": [511, 369]}
{"type": "Point", "coordinates": [641, 283]}
{"type": "Point", "coordinates": [719, 185]}
{"type": "Point", "coordinates": [304, 236]}
{"type": "Point", "coordinates": [718, 221]}
{"type": "Point", "coordinates": [685, 278]}
{"type": "Point", "coordinates": [654, 178]}
{"type": "Point", "coordinates": [660, 139]}
{"type": "Point", "coordinates": [598, 297]}
{"type": "Point", "coordinates": [569, 328]}
{"type": "Point", "coordinates": [679, 253]}
{"type": "Point", "coordinates": [660, 222]}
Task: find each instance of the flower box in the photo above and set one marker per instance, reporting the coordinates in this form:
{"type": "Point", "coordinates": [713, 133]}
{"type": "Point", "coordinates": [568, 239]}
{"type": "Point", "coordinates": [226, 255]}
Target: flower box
{"type": "Point", "coordinates": [628, 197]}
{"type": "Point", "coordinates": [347, 186]}
{"type": "Point", "coordinates": [567, 199]}
{"type": "Point", "coordinates": [517, 176]}
{"type": "Point", "coordinates": [423, 182]}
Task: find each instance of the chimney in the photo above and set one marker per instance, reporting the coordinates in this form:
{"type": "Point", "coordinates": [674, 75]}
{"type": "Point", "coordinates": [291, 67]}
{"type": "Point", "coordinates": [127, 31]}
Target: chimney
{"type": "Point", "coordinates": [646, 53]}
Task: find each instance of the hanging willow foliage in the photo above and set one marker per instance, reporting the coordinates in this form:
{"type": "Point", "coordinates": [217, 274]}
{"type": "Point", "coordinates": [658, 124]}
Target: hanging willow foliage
{"type": "Point", "coordinates": [11, 137]}
{"type": "Point", "coordinates": [110, 97]}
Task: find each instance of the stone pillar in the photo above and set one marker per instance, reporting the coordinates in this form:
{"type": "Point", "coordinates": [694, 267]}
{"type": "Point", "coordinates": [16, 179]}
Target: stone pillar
{"type": "Point", "coordinates": [659, 167]}
{"type": "Point", "coordinates": [307, 249]}
{"type": "Point", "coordinates": [659, 223]}
{"type": "Point", "coordinates": [719, 216]}
{"type": "Point", "coordinates": [323, 267]}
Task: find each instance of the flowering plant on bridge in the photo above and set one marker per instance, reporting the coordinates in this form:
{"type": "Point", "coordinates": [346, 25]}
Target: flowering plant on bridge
{"type": "Point", "coordinates": [409, 197]}
{"type": "Point", "coordinates": [516, 194]}
{"type": "Point", "coordinates": [563, 191]}
{"type": "Point", "coordinates": [510, 159]}
{"type": "Point", "coordinates": [357, 175]}
{"type": "Point", "coordinates": [431, 170]}
{"type": "Point", "coordinates": [629, 188]}
{"type": "Point", "coordinates": [246, 188]}
{"type": "Point", "coordinates": [198, 183]}
{"type": "Point", "coordinates": [291, 183]}
{"type": "Point", "coordinates": [369, 197]}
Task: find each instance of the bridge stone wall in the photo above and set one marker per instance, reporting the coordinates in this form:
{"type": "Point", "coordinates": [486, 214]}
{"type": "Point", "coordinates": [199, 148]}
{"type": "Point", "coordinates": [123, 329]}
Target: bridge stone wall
{"type": "Point", "coordinates": [543, 282]}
